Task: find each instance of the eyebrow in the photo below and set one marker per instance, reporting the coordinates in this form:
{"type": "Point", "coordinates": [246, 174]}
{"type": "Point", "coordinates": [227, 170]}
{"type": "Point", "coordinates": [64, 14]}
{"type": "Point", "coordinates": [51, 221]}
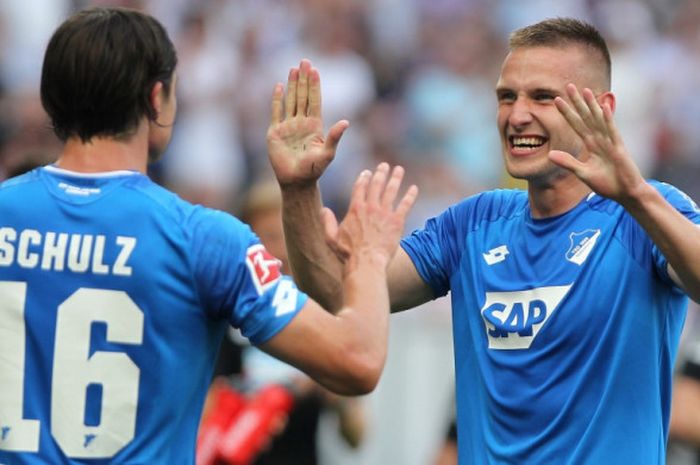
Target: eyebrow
{"type": "Point", "coordinates": [548, 90]}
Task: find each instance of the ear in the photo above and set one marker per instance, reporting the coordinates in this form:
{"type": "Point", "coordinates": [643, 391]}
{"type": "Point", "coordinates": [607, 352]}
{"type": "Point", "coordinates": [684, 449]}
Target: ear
{"type": "Point", "coordinates": [156, 97]}
{"type": "Point", "coordinates": [608, 98]}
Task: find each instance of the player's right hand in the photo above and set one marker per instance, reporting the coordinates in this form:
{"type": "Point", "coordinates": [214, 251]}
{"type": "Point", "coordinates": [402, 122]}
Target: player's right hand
{"type": "Point", "coordinates": [298, 150]}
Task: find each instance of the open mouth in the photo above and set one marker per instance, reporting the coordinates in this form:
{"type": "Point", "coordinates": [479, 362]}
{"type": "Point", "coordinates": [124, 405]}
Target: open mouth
{"type": "Point", "coordinates": [527, 143]}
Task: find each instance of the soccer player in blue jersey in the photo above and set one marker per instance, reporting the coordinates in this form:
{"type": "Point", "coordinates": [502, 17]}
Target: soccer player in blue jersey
{"type": "Point", "coordinates": [568, 298]}
{"type": "Point", "coordinates": [115, 293]}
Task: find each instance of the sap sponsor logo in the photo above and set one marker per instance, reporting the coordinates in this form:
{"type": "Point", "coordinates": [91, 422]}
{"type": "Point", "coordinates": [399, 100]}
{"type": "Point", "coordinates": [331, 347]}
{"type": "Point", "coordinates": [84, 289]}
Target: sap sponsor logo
{"type": "Point", "coordinates": [513, 319]}
{"type": "Point", "coordinates": [496, 255]}
{"type": "Point", "coordinates": [581, 244]}
{"type": "Point", "coordinates": [263, 267]}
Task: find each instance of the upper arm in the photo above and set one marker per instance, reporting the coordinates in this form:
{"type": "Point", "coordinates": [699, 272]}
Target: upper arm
{"type": "Point", "coordinates": [406, 288]}
{"type": "Point", "coordinates": [685, 410]}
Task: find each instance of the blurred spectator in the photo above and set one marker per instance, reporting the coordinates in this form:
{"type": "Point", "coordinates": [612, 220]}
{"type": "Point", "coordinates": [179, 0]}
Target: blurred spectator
{"type": "Point", "coordinates": [205, 161]}
{"type": "Point", "coordinates": [451, 106]}
{"type": "Point", "coordinates": [296, 444]}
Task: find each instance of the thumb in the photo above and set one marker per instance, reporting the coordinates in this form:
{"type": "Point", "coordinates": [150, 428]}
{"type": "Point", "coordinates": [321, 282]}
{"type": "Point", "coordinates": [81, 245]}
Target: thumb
{"type": "Point", "coordinates": [330, 226]}
{"type": "Point", "coordinates": [565, 160]}
{"type": "Point", "coordinates": [335, 133]}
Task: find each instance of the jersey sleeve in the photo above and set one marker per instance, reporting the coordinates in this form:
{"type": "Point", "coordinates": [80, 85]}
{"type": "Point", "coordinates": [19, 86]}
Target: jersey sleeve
{"type": "Point", "coordinates": [687, 207]}
{"type": "Point", "coordinates": [433, 250]}
{"type": "Point", "coordinates": [238, 280]}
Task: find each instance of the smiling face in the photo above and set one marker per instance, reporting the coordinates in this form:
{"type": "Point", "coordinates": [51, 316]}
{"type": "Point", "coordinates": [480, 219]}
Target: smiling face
{"type": "Point", "coordinates": [529, 123]}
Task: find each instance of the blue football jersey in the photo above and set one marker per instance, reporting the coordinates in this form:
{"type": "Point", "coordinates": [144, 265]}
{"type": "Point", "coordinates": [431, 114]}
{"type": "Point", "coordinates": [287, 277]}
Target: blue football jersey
{"type": "Point", "coordinates": [114, 297]}
{"type": "Point", "coordinates": [565, 329]}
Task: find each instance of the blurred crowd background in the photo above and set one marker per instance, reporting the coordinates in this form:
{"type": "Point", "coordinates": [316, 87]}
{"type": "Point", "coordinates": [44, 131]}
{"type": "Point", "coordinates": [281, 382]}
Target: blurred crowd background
{"type": "Point", "coordinates": [415, 79]}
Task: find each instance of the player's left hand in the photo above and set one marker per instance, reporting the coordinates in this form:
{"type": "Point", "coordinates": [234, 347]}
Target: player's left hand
{"type": "Point", "coordinates": [608, 169]}
{"type": "Point", "coordinates": [375, 219]}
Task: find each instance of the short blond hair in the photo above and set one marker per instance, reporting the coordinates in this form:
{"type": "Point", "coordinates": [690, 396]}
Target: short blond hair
{"type": "Point", "coordinates": [561, 32]}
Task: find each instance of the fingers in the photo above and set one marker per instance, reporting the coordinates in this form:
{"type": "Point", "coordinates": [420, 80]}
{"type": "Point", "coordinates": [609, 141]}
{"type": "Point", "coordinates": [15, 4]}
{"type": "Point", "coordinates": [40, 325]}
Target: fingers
{"type": "Point", "coordinates": [566, 160]}
{"type": "Point", "coordinates": [587, 115]}
{"type": "Point", "coordinates": [581, 106]}
{"type": "Point", "coordinates": [571, 116]}
{"type": "Point", "coordinates": [383, 189]}
{"type": "Point", "coordinates": [615, 135]}
{"type": "Point", "coordinates": [303, 91]}
{"type": "Point", "coordinates": [407, 201]}
{"type": "Point", "coordinates": [376, 186]}
{"type": "Point", "coordinates": [290, 102]}
{"type": "Point", "coordinates": [277, 97]}
{"type": "Point", "coordinates": [314, 93]}
{"type": "Point", "coordinates": [359, 189]}
{"type": "Point", "coordinates": [334, 134]}
{"type": "Point", "coordinates": [303, 88]}
{"type": "Point", "coordinates": [594, 110]}
{"type": "Point", "coordinates": [392, 187]}
{"type": "Point", "coordinates": [330, 225]}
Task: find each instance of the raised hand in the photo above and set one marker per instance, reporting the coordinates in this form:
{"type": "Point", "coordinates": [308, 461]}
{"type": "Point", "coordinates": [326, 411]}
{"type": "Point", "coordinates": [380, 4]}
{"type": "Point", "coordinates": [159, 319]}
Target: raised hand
{"type": "Point", "coordinates": [608, 170]}
{"type": "Point", "coordinates": [373, 226]}
{"type": "Point", "coordinates": [298, 150]}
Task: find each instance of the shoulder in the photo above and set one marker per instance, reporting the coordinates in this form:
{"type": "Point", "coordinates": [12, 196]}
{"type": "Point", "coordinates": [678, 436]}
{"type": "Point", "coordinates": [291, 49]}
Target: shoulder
{"type": "Point", "coordinates": [19, 181]}
{"type": "Point", "coordinates": [489, 206]}
{"type": "Point", "coordinates": [675, 196]}
{"type": "Point", "coordinates": [185, 213]}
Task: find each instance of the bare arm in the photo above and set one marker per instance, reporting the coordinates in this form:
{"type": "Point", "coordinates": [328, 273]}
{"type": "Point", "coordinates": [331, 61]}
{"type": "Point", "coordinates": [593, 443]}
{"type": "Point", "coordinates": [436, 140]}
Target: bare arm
{"type": "Point", "coordinates": [316, 269]}
{"type": "Point", "coordinates": [609, 171]}
{"type": "Point", "coordinates": [299, 153]}
{"type": "Point", "coordinates": [406, 288]}
{"type": "Point", "coordinates": [685, 410]}
{"type": "Point", "coordinates": [345, 352]}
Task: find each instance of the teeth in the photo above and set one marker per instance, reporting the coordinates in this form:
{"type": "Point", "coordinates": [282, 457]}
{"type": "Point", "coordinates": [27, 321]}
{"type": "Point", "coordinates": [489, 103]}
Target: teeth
{"type": "Point", "coordinates": [528, 141]}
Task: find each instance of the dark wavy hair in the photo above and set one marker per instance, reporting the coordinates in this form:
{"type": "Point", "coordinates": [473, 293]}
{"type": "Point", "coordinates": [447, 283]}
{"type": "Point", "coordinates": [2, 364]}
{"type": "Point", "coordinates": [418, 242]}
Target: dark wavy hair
{"type": "Point", "coordinates": [99, 69]}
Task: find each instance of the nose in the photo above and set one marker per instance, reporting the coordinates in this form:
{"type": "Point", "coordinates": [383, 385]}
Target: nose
{"type": "Point", "coordinates": [520, 114]}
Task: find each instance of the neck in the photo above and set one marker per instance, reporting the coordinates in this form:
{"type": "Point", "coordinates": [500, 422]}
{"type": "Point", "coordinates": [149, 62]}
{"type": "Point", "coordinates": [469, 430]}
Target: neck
{"type": "Point", "coordinates": [102, 154]}
{"type": "Point", "coordinates": [556, 198]}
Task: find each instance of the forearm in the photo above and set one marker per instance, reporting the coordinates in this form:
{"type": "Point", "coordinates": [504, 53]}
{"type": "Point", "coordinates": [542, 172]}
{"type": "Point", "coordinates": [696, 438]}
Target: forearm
{"type": "Point", "coordinates": [677, 237]}
{"type": "Point", "coordinates": [317, 271]}
{"type": "Point", "coordinates": [364, 317]}
{"type": "Point", "coordinates": [344, 352]}
{"type": "Point", "coordinates": [685, 411]}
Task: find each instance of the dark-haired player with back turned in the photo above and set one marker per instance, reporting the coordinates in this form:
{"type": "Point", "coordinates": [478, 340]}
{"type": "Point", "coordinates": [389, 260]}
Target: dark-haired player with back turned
{"type": "Point", "coordinates": [115, 293]}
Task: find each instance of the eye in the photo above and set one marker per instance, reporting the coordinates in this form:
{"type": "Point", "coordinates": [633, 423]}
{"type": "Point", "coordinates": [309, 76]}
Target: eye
{"type": "Point", "coordinates": [506, 96]}
{"type": "Point", "coordinates": [543, 96]}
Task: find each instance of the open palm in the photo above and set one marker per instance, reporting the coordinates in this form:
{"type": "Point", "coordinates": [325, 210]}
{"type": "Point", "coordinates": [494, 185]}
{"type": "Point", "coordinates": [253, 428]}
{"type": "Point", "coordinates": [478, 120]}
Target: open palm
{"type": "Point", "coordinates": [298, 150]}
{"type": "Point", "coordinates": [608, 170]}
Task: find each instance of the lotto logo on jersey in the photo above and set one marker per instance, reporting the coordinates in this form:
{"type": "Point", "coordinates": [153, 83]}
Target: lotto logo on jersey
{"type": "Point", "coordinates": [264, 268]}
{"type": "Point", "coordinates": [513, 319]}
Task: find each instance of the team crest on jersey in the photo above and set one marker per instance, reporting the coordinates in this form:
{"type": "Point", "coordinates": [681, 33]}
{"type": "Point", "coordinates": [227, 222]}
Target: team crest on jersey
{"type": "Point", "coordinates": [513, 319]}
{"type": "Point", "coordinates": [263, 267]}
{"type": "Point", "coordinates": [581, 245]}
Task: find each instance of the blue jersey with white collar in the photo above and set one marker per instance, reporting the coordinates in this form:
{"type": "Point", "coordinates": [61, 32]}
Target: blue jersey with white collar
{"type": "Point", "coordinates": [565, 329]}
{"type": "Point", "coordinates": [114, 297]}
